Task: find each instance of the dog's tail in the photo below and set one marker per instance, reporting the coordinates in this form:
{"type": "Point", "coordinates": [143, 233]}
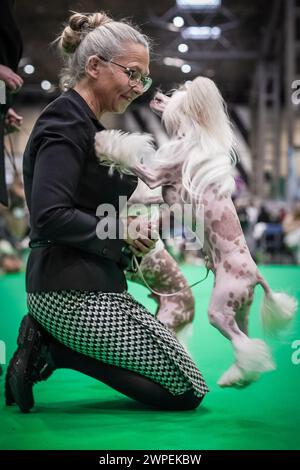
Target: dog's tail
{"type": "Point", "coordinates": [278, 309]}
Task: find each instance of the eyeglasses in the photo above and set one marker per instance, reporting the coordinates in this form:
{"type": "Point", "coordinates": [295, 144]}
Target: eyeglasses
{"type": "Point", "coordinates": [134, 76]}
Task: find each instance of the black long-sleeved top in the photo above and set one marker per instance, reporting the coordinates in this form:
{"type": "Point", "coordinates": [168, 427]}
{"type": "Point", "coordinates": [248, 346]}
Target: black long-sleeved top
{"type": "Point", "coordinates": [64, 185]}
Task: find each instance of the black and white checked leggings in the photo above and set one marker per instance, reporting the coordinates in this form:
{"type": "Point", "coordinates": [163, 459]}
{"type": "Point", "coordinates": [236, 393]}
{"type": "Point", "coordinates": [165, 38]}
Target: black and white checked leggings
{"type": "Point", "coordinates": [117, 330]}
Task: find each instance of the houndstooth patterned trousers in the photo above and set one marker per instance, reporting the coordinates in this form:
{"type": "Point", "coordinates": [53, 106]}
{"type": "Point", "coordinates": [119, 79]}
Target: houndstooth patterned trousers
{"type": "Point", "coordinates": [115, 329]}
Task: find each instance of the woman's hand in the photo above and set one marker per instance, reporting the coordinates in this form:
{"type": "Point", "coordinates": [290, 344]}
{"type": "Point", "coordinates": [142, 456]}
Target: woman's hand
{"type": "Point", "coordinates": [13, 121]}
{"type": "Point", "coordinates": [141, 235]}
{"type": "Point", "coordinates": [10, 264]}
{"type": "Point", "coordinates": [11, 79]}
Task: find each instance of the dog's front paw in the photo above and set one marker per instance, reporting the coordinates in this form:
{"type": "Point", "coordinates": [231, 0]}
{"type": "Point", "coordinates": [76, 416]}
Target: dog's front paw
{"type": "Point", "coordinates": [236, 377]}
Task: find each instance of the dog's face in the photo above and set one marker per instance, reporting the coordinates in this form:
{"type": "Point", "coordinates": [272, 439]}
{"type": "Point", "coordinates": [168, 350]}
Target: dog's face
{"type": "Point", "coordinates": [159, 103]}
{"type": "Point", "coordinates": [170, 109]}
{"type": "Point", "coordinates": [195, 107]}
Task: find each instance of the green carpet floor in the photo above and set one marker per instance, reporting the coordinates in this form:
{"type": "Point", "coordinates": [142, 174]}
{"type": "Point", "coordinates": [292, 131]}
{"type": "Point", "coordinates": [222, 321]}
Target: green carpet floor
{"type": "Point", "coordinates": [76, 412]}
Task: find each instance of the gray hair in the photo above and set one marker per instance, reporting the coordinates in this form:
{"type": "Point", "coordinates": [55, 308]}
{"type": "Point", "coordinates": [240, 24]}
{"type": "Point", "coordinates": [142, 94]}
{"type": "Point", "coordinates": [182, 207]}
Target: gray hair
{"type": "Point", "coordinates": [94, 34]}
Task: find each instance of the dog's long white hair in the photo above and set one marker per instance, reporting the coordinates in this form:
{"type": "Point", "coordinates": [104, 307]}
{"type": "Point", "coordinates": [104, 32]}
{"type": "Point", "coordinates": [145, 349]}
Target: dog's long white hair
{"type": "Point", "coordinates": [197, 122]}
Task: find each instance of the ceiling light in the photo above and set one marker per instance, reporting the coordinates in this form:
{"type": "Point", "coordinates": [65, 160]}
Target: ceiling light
{"type": "Point", "coordinates": [186, 68]}
{"type": "Point", "coordinates": [201, 32]}
{"type": "Point", "coordinates": [46, 85]}
{"type": "Point", "coordinates": [178, 21]}
{"type": "Point", "coordinates": [198, 4]}
{"type": "Point", "coordinates": [183, 48]}
{"type": "Point", "coordinates": [29, 69]}
{"type": "Point", "coordinates": [173, 62]}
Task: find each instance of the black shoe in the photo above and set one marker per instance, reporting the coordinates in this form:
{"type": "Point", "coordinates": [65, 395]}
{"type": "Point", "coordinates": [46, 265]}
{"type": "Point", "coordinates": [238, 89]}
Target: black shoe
{"type": "Point", "coordinates": [30, 363]}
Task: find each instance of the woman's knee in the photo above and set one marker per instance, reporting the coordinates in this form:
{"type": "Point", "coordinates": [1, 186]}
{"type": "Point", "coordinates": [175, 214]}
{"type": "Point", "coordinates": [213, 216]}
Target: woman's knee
{"type": "Point", "coordinates": [186, 401]}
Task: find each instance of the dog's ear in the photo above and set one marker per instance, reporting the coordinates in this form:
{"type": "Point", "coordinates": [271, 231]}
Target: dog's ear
{"type": "Point", "coordinates": [203, 102]}
{"type": "Point", "coordinates": [173, 116]}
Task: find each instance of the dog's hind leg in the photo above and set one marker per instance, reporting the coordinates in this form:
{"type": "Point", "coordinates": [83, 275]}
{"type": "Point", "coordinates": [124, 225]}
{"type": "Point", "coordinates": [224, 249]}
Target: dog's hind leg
{"type": "Point", "coordinates": [222, 312]}
{"type": "Point", "coordinates": [235, 376]}
{"type": "Point", "coordinates": [252, 355]}
{"type": "Point", "coordinates": [226, 323]}
{"type": "Point", "coordinates": [242, 318]}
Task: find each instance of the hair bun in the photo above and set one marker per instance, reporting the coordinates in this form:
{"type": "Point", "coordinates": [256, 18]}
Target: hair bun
{"type": "Point", "coordinates": [78, 21]}
{"type": "Point", "coordinates": [98, 19]}
{"type": "Point", "coordinates": [79, 25]}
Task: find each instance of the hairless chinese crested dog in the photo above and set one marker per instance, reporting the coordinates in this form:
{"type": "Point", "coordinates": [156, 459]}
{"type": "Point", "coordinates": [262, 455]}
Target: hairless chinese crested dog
{"type": "Point", "coordinates": [196, 164]}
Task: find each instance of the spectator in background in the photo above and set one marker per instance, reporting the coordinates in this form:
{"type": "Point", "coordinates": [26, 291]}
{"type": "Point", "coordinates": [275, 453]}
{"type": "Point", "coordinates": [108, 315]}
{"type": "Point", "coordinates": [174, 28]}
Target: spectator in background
{"type": "Point", "coordinates": [10, 82]}
{"type": "Point", "coordinates": [242, 213]}
{"type": "Point", "coordinates": [291, 228]}
{"type": "Point", "coordinates": [264, 215]}
{"type": "Point", "coordinates": [10, 260]}
{"type": "Point", "coordinates": [247, 213]}
{"type": "Point", "coordinates": [10, 54]}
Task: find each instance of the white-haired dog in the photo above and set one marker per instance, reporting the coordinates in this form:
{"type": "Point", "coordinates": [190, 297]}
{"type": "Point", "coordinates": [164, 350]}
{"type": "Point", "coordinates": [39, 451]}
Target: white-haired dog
{"type": "Point", "coordinates": [197, 163]}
